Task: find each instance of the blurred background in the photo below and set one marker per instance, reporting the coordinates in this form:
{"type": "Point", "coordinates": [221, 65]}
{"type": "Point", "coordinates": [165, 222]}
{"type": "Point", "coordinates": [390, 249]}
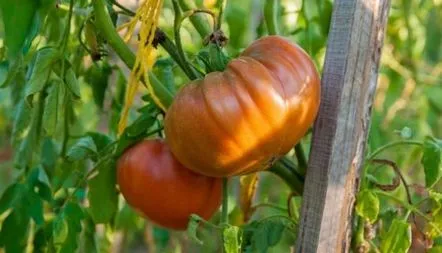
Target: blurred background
{"type": "Point", "coordinates": [408, 101]}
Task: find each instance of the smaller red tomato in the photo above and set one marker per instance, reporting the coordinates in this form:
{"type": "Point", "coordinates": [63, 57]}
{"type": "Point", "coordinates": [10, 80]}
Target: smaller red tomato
{"type": "Point", "coordinates": [157, 185]}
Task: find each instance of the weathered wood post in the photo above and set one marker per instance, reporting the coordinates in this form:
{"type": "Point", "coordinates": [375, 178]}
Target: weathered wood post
{"type": "Point", "coordinates": [340, 131]}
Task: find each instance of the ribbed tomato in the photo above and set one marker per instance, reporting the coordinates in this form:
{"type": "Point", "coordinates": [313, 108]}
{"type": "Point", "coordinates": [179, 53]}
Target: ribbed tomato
{"type": "Point", "coordinates": [242, 119]}
{"type": "Point", "coordinates": [157, 185]}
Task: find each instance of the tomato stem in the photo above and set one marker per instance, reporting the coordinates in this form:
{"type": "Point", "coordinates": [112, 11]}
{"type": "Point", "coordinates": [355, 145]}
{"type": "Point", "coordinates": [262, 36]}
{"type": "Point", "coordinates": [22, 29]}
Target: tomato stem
{"type": "Point", "coordinates": [271, 16]}
{"type": "Point", "coordinates": [224, 210]}
{"type": "Point", "coordinates": [198, 21]}
{"type": "Point", "coordinates": [107, 30]}
{"type": "Point", "coordinates": [300, 156]}
{"type": "Point", "coordinates": [293, 180]}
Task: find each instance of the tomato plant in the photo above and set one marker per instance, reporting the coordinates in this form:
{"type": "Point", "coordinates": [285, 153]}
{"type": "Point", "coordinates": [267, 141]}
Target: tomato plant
{"type": "Point", "coordinates": [84, 84]}
{"type": "Point", "coordinates": [157, 185]}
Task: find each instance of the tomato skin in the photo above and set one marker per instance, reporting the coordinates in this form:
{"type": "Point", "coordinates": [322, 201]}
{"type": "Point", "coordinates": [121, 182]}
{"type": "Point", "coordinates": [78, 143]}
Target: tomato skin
{"type": "Point", "coordinates": [240, 120]}
{"type": "Point", "coordinates": [154, 183]}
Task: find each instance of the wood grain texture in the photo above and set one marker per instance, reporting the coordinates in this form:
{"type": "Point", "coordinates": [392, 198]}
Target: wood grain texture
{"type": "Point", "coordinates": [340, 131]}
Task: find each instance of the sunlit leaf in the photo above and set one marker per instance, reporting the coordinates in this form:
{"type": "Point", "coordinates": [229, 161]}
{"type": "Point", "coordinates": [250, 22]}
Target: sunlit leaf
{"type": "Point", "coordinates": [398, 237]}
{"type": "Point", "coordinates": [231, 235]}
{"type": "Point", "coordinates": [367, 205]}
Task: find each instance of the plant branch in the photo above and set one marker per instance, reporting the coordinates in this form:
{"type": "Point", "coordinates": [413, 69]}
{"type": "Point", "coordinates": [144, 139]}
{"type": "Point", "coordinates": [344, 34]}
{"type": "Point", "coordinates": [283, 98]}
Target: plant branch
{"type": "Point", "coordinates": [271, 16]}
{"type": "Point", "coordinates": [292, 180]}
{"type": "Point", "coordinates": [177, 28]}
{"type": "Point", "coordinates": [392, 144]}
{"type": "Point", "coordinates": [221, 5]}
{"type": "Point", "coordinates": [300, 156]}
{"type": "Point", "coordinates": [224, 211]}
{"type": "Point", "coordinates": [198, 21]}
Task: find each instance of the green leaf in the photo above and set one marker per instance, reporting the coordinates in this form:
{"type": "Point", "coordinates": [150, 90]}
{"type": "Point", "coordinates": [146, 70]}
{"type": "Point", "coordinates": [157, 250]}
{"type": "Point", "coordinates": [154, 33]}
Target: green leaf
{"type": "Point", "coordinates": [68, 227]}
{"type": "Point", "coordinates": [367, 205]}
{"type": "Point", "coordinates": [35, 207]}
{"type": "Point", "coordinates": [398, 238]}
{"type": "Point", "coordinates": [59, 231]}
{"type": "Point", "coordinates": [437, 249]}
{"type": "Point", "coordinates": [126, 218]}
{"type": "Point", "coordinates": [17, 20]}
{"type": "Point", "coordinates": [4, 66]}
{"type": "Point", "coordinates": [192, 228]}
{"type": "Point", "coordinates": [434, 227]}
{"type": "Point", "coordinates": [10, 196]}
{"type": "Point", "coordinates": [135, 132]}
{"type": "Point", "coordinates": [431, 160]}
{"type": "Point", "coordinates": [21, 122]}
{"type": "Point", "coordinates": [97, 77]}
{"type": "Point", "coordinates": [14, 230]}
{"type": "Point", "coordinates": [48, 155]}
{"type": "Point", "coordinates": [101, 140]}
{"type": "Point", "coordinates": [103, 196]}
{"type": "Point", "coordinates": [89, 243]}
{"type": "Point", "coordinates": [50, 113]}
{"type": "Point", "coordinates": [71, 81]}
{"type": "Point", "coordinates": [82, 149]}
{"type": "Point", "coordinates": [231, 236]}
{"type": "Point", "coordinates": [163, 69]}
{"type": "Point", "coordinates": [260, 235]}
{"type": "Point", "coordinates": [433, 40]}
{"type": "Point", "coordinates": [43, 64]}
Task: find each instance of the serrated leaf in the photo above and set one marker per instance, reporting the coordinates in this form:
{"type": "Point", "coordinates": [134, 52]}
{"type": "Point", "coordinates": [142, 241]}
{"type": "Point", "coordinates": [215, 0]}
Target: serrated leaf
{"type": "Point", "coordinates": [367, 205]}
{"type": "Point", "coordinates": [82, 149]}
{"type": "Point", "coordinates": [45, 58]}
{"type": "Point", "coordinates": [18, 17]}
{"type": "Point", "coordinates": [71, 81]}
{"type": "Point", "coordinates": [259, 236]}
{"type": "Point", "coordinates": [192, 228]}
{"type": "Point", "coordinates": [231, 236]}
{"type": "Point", "coordinates": [398, 237]}
{"type": "Point", "coordinates": [431, 160]}
{"type": "Point", "coordinates": [50, 113]}
{"type": "Point", "coordinates": [102, 195]}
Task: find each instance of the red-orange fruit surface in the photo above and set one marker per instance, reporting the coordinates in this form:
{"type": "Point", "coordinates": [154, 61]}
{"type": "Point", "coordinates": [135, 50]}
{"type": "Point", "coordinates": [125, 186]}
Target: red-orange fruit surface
{"type": "Point", "coordinates": [155, 184]}
{"type": "Point", "coordinates": [240, 120]}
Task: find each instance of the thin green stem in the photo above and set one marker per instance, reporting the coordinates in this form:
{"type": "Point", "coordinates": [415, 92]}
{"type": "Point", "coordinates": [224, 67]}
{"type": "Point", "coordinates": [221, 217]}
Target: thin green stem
{"type": "Point", "coordinates": [300, 156]}
{"type": "Point", "coordinates": [221, 5]}
{"type": "Point", "coordinates": [123, 8]}
{"type": "Point", "coordinates": [177, 28]}
{"type": "Point", "coordinates": [392, 144]}
{"type": "Point", "coordinates": [104, 24]}
{"type": "Point", "coordinates": [271, 16]}
{"type": "Point", "coordinates": [224, 210]}
{"type": "Point", "coordinates": [198, 21]}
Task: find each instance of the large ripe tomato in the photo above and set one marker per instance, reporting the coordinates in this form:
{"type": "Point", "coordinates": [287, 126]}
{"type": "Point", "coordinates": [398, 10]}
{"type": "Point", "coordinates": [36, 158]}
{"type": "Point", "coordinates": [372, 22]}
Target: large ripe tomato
{"type": "Point", "coordinates": [240, 120]}
{"type": "Point", "coordinates": [157, 185]}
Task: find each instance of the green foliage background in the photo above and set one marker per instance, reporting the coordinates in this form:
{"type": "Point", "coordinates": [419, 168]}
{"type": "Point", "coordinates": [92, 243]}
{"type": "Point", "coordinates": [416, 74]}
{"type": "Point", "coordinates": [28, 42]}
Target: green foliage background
{"type": "Point", "coordinates": [42, 164]}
